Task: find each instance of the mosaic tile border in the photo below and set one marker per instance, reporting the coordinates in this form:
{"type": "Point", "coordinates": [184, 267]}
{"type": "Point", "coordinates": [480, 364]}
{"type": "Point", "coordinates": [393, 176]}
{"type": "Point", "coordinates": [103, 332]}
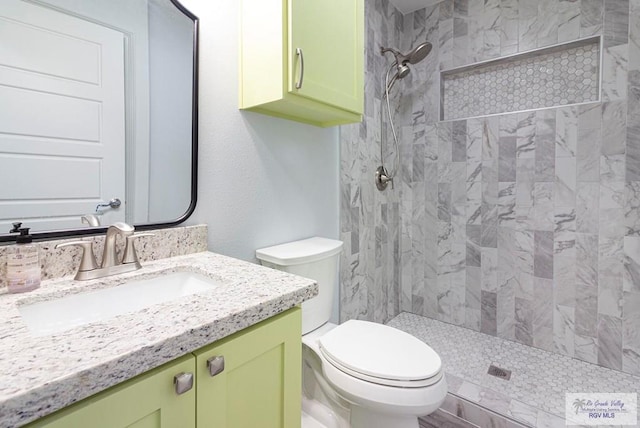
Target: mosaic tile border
{"type": "Point", "coordinates": [560, 75]}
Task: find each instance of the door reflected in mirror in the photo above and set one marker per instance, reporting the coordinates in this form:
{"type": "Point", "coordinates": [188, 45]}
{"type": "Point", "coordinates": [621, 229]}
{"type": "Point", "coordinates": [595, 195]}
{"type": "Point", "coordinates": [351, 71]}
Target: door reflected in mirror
{"type": "Point", "coordinates": [98, 112]}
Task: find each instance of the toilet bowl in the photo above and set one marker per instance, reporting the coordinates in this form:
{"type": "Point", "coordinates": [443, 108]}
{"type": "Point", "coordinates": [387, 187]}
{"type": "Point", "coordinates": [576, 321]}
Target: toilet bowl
{"type": "Point", "coordinates": [358, 374]}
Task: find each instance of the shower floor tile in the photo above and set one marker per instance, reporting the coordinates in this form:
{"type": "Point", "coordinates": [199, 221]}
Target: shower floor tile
{"type": "Point", "coordinates": [539, 379]}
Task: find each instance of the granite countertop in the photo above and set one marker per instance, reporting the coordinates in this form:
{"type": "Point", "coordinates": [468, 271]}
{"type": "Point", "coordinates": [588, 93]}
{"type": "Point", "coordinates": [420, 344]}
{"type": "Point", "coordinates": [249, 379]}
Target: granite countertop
{"type": "Point", "coordinates": [39, 375]}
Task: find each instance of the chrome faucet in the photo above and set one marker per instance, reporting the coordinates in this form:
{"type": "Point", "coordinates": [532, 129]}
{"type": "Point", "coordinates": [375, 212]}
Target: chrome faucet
{"type": "Point", "coordinates": [111, 264]}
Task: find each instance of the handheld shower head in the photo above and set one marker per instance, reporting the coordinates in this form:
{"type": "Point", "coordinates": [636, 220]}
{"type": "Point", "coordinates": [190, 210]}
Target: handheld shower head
{"type": "Point", "coordinates": [414, 56]}
{"type": "Point", "coordinates": [419, 53]}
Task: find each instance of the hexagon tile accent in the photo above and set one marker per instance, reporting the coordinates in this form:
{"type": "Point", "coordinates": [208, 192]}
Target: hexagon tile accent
{"type": "Point", "coordinates": [549, 77]}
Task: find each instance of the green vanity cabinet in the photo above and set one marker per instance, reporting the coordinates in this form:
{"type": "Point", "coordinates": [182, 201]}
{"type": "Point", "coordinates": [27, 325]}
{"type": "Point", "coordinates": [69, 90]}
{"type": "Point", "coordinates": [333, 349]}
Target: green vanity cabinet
{"type": "Point", "coordinates": [258, 386]}
{"type": "Point", "coordinates": [303, 60]}
{"type": "Point", "coordinates": [146, 401]}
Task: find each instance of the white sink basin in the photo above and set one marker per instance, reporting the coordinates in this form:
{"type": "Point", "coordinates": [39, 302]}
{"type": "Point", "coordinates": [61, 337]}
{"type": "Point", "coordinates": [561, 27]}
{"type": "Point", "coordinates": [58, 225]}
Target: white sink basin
{"type": "Point", "coordinates": [62, 314]}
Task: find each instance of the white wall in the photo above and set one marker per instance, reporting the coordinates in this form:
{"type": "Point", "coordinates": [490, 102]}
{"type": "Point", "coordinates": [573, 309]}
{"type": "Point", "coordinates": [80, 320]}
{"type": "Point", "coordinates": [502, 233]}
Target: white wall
{"type": "Point", "coordinates": [262, 180]}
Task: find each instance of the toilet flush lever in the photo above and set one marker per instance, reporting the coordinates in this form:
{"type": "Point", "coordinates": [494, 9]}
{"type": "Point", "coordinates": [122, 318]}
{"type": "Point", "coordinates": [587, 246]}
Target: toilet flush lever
{"type": "Point", "coordinates": [215, 365]}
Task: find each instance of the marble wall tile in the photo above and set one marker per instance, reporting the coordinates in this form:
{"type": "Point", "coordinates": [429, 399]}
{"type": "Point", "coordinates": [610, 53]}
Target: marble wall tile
{"type": "Point", "coordinates": [631, 333]}
{"type": "Point", "coordinates": [507, 205]}
{"type": "Point", "coordinates": [632, 208]}
{"type": "Point", "coordinates": [472, 314]}
{"type": "Point", "coordinates": [509, 24]}
{"type": "Point", "coordinates": [631, 274]}
{"type": "Point", "coordinates": [489, 269]}
{"type": "Point", "coordinates": [488, 323]}
{"type": "Point", "coordinates": [445, 33]}
{"type": "Point", "coordinates": [548, 22]}
{"type": "Point", "coordinates": [527, 25]}
{"type": "Point", "coordinates": [524, 321]}
{"type": "Point", "coordinates": [526, 135]}
{"type": "Point", "coordinates": [610, 300]}
{"type": "Point", "coordinates": [563, 329]}
{"type": "Point", "coordinates": [492, 29]}
{"type": "Point", "coordinates": [564, 242]}
{"type": "Point", "coordinates": [616, 22]}
{"type": "Point", "coordinates": [610, 342]}
{"type": "Point", "coordinates": [591, 17]}
{"type": "Point", "coordinates": [589, 144]}
{"type": "Point", "coordinates": [565, 182]}
{"type": "Point", "coordinates": [587, 197]}
{"type": "Point", "coordinates": [444, 202]}
{"type": "Point", "coordinates": [459, 143]}
{"type": "Point", "coordinates": [545, 145]}
{"type": "Point", "coordinates": [586, 348]}
{"type": "Point", "coordinates": [634, 35]}
{"type": "Point", "coordinates": [568, 20]}
{"type": "Point", "coordinates": [614, 119]}
{"type": "Point", "coordinates": [587, 259]}
{"type": "Point", "coordinates": [615, 72]}
{"type": "Point", "coordinates": [586, 315]}
{"type": "Point", "coordinates": [476, 30]}
{"type": "Point", "coordinates": [564, 284]}
{"type": "Point", "coordinates": [543, 256]}
{"type": "Point", "coordinates": [507, 163]}
{"type": "Point", "coordinates": [473, 252]}
{"type": "Point", "coordinates": [632, 149]}
{"type": "Point", "coordinates": [542, 321]}
{"type": "Point", "coordinates": [566, 138]}
{"type": "Point", "coordinates": [543, 212]}
{"type": "Point", "coordinates": [525, 174]}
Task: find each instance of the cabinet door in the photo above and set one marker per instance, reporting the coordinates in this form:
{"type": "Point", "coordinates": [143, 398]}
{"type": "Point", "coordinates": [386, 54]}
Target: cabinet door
{"type": "Point", "coordinates": [260, 385]}
{"type": "Point", "coordinates": [330, 34]}
{"type": "Point", "coordinates": [147, 401]}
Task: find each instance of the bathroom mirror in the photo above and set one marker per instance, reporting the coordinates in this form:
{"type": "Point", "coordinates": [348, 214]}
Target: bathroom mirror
{"type": "Point", "coordinates": [98, 119]}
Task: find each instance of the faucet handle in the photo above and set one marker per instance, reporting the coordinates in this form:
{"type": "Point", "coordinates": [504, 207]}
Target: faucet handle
{"type": "Point", "coordinates": [130, 255]}
{"type": "Point", "coordinates": [88, 261]}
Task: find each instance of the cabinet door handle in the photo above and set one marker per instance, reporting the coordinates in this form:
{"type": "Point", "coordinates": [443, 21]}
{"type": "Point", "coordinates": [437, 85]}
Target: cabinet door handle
{"type": "Point", "coordinates": [183, 382]}
{"type": "Point", "coordinates": [215, 365]}
{"type": "Point", "coordinates": [301, 78]}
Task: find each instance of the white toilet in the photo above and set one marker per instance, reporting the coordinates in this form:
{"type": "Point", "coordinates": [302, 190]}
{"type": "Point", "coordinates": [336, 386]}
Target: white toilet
{"type": "Point", "coordinates": [358, 374]}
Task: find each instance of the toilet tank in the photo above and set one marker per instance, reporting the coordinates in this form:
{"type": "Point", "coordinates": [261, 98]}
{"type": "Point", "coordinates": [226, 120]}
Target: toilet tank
{"type": "Point", "coordinates": [314, 258]}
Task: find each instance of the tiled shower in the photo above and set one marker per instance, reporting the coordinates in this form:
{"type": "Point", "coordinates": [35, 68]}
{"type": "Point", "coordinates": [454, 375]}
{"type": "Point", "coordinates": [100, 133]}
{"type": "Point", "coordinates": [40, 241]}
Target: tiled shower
{"type": "Point", "coordinates": [522, 224]}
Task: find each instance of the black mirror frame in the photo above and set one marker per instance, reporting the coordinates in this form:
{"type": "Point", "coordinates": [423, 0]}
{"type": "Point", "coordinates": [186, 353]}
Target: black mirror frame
{"type": "Point", "coordinates": [60, 234]}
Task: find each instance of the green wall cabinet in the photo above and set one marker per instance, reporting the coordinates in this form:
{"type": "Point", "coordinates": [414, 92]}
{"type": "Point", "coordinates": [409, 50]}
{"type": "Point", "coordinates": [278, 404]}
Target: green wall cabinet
{"type": "Point", "coordinates": [303, 60]}
{"type": "Point", "coordinates": [249, 379]}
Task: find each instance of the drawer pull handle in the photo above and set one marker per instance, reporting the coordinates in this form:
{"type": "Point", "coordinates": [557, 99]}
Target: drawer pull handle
{"type": "Point", "coordinates": [183, 382]}
{"type": "Point", "coordinates": [215, 365]}
{"type": "Point", "coordinates": [301, 79]}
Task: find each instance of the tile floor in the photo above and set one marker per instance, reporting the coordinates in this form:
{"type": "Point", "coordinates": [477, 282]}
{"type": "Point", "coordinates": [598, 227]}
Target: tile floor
{"type": "Point", "coordinates": [535, 394]}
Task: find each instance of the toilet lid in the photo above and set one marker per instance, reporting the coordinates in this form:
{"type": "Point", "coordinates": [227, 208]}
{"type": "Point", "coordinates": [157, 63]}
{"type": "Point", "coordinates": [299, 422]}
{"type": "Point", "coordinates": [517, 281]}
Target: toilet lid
{"type": "Point", "coordinates": [381, 354]}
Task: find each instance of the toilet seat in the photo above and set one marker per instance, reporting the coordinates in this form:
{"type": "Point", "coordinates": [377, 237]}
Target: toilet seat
{"type": "Point", "coordinates": [370, 352]}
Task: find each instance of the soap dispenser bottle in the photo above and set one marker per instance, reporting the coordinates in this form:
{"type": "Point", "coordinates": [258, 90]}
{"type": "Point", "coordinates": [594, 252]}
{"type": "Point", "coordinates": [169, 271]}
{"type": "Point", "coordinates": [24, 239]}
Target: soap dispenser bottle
{"type": "Point", "coordinates": [23, 263]}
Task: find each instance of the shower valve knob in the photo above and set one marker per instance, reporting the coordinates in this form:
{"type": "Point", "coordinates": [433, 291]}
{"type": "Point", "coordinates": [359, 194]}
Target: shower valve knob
{"type": "Point", "coordinates": [383, 178]}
